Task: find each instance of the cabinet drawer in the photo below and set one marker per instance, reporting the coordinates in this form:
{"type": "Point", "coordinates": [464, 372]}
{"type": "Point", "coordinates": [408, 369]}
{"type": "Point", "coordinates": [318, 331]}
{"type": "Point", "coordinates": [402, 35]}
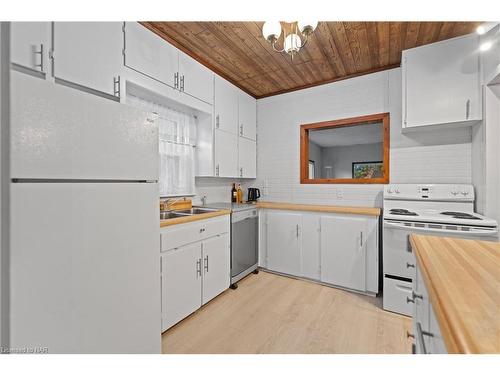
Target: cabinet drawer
{"type": "Point", "coordinates": [395, 294]}
{"type": "Point", "coordinates": [182, 234]}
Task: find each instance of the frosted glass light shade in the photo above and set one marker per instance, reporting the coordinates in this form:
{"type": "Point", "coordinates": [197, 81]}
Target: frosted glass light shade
{"type": "Point", "coordinates": [292, 43]}
{"type": "Point", "coordinates": [307, 26]}
{"type": "Point", "coordinates": [271, 30]}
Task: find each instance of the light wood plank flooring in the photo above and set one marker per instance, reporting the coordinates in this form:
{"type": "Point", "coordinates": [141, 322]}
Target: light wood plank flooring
{"type": "Point", "coordinates": [276, 314]}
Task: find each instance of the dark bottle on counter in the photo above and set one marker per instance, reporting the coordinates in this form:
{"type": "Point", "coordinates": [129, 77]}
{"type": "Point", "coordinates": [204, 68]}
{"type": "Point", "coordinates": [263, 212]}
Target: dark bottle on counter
{"type": "Point", "coordinates": [234, 194]}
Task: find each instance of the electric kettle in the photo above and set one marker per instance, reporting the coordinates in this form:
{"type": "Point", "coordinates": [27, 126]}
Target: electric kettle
{"type": "Point", "coordinates": [253, 194]}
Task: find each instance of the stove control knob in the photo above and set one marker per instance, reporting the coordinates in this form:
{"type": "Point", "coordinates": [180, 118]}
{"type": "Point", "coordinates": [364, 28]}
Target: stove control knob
{"type": "Point", "coordinates": [389, 189]}
{"type": "Point", "coordinates": [454, 192]}
{"type": "Point", "coordinates": [465, 193]}
{"type": "Point", "coordinates": [396, 190]}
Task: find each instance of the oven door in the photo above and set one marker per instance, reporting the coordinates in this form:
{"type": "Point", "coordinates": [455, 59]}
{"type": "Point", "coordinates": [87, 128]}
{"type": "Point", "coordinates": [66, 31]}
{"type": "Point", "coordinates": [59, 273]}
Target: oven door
{"type": "Point", "coordinates": [397, 258]}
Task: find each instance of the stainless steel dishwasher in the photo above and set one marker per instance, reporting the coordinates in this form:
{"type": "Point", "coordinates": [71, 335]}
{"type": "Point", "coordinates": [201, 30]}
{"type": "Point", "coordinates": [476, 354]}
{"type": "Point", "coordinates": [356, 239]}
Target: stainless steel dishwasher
{"type": "Point", "coordinates": [244, 244]}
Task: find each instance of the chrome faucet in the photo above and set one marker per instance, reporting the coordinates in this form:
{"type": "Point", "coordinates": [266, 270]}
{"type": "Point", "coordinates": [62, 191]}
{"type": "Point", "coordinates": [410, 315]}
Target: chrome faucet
{"type": "Point", "coordinates": [204, 200]}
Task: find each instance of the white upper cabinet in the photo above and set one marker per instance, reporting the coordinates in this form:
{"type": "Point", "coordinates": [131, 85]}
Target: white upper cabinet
{"type": "Point", "coordinates": [226, 154]}
{"type": "Point", "coordinates": [283, 242]}
{"type": "Point", "coordinates": [89, 54]}
{"type": "Point", "coordinates": [247, 114]}
{"type": "Point", "coordinates": [247, 158]}
{"type": "Point", "coordinates": [195, 79]}
{"type": "Point", "coordinates": [343, 251]}
{"type": "Point", "coordinates": [226, 106]}
{"type": "Point", "coordinates": [441, 83]}
{"type": "Point", "coordinates": [149, 54]}
{"type": "Point", "coordinates": [31, 45]}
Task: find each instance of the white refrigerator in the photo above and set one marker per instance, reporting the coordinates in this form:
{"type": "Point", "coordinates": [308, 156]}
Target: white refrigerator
{"type": "Point", "coordinates": [84, 258]}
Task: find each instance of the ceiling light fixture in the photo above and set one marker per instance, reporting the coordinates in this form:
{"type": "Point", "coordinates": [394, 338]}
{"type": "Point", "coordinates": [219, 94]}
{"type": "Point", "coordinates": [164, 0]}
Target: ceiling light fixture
{"type": "Point", "coordinates": [295, 34]}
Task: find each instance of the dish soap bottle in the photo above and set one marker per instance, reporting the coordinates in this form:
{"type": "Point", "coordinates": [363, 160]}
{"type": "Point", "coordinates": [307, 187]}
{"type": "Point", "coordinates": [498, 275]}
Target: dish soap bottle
{"type": "Point", "coordinates": [234, 194]}
{"type": "Point", "coordinates": [239, 194]}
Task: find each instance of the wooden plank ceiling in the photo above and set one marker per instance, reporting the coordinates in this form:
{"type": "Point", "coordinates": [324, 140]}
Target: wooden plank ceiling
{"type": "Point", "coordinates": [336, 50]}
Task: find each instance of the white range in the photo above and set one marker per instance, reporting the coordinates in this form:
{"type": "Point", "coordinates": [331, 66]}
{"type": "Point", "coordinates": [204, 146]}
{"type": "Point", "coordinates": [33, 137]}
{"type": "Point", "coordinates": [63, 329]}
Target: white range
{"type": "Point", "coordinates": [433, 209]}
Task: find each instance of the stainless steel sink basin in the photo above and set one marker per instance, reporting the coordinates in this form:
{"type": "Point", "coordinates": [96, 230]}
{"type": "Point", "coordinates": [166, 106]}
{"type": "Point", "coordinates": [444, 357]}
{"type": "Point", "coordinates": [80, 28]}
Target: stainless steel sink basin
{"type": "Point", "coordinates": [171, 215]}
{"type": "Point", "coordinates": [196, 211]}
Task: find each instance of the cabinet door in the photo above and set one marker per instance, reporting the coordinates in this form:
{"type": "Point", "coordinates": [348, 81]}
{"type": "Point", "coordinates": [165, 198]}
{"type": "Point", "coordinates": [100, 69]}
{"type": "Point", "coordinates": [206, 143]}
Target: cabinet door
{"type": "Point", "coordinates": [151, 55]}
{"type": "Point", "coordinates": [89, 54]}
{"type": "Point", "coordinates": [247, 158]}
{"type": "Point", "coordinates": [226, 106]}
{"type": "Point", "coordinates": [31, 45]}
{"type": "Point", "coordinates": [216, 270]}
{"type": "Point", "coordinates": [343, 251]}
{"type": "Point", "coordinates": [226, 154]}
{"type": "Point", "coordinates": [180, 283]}
{"type": "Point", "coordinates": [195, 79]}
{"type": "Point", "coordinates": [441, 83]}
{"type": "Point", "coordinates": [283, 239]}
{"type": "Point", "coordinates": [311, 246]}
{"type": "Point", "coordinates": [247, 115]}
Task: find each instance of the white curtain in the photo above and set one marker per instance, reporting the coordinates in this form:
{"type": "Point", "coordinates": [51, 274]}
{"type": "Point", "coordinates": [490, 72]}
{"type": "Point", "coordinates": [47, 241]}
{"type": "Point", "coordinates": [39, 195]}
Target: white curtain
{"type": "Point", "coordinates": [177, 131]}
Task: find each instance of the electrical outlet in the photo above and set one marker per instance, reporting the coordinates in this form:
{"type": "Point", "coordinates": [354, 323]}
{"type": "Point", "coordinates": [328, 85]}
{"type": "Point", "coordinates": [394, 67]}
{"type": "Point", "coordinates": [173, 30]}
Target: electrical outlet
{"type": "Point", "coordinates": [340, 193]}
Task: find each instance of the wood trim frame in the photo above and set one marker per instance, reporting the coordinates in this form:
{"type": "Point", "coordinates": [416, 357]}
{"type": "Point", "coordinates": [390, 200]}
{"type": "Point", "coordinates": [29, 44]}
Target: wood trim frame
{"type": "Point", "coordinates": [304, 148]}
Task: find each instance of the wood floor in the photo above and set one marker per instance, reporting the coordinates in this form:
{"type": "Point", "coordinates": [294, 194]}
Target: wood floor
{"type": "Point", "coordinates": [275, 314]}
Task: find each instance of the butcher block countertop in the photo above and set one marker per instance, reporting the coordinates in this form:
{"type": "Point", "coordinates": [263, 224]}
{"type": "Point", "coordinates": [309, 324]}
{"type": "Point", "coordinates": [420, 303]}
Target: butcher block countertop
{"type": "Point", "coordinates": [190, 218]}
{"type": "Point", "coordinates": [463, 281]}
{"type": "Point", "coordinates": [370, 211]}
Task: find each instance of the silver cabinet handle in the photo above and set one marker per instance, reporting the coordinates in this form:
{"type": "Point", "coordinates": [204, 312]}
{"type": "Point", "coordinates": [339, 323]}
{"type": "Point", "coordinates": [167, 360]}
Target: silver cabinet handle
{"type": "Point", "coordinates": [41, 53]}
{"type": "Point", "coordinates": [297, 227]}
{"type": "Point", "coordinates": [202, 230]}
{"type": "Point", "coordinates": [421, 335]}
{"type": "Point", "coordinates": [241, 172]}
{"type": "Point", "coordinates": [241, 130]}
{"type": "Point", "coordinates": [198, 268]}
{"type": "Point", "coordinates": [409, 265]}
{"type": "Point", "coordinates": [206, 264]}
{"type": "Point", "coordinates": [467, 109]}
{"type": "Point", "coordinates": [182, 83]}
{"type": "Point", "coordinates": [217, 121]}
{"type": "Point", "coordinates": [176, 80]}
{"type": "Point", "coordinates": [116, 86]}
{"type": "Point", "coordinates": [217, 170]}
{"type": "Point", "coordinates": [415, 295]}
{"type": "Point", "coordinates": [361, 239]}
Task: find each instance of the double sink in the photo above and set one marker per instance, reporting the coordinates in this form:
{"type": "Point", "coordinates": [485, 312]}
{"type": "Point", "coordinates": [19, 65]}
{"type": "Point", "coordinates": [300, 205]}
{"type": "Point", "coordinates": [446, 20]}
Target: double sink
{"type": "Point", "coordinates": [164, 215]}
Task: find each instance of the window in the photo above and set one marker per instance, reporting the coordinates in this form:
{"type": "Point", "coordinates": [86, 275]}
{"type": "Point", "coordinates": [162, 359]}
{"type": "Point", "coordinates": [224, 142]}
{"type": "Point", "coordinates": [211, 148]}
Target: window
{"type": "Point", "coordinates": [177, 140]}
{"type": "Point", "coordinates": [346, 151]}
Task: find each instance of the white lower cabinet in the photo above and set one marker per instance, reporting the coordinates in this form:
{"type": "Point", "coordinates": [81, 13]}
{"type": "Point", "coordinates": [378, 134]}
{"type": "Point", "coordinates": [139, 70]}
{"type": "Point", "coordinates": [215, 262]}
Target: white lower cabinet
{"type": "Point", "coordinates": [426, 332]}
{"type": "Point", "coordinates": [196, 270]}
{"type": "Point", "coordinates": [336, 249]}
{"type": "Point", "coordinates": [180, 284]}
{"type": "Point", "coordinates": [283, 242]}
{"type": "Point", "coordinates": [343, 251]}
{"type": "Point", "coordinates": [216, 275]}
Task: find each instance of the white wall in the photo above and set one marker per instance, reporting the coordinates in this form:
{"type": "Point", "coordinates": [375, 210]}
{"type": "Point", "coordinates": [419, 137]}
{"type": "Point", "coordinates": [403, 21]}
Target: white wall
{"type": "Point", "coordinates": [431, 156]}
{"type": "Point", "coordinates": [342, 157]}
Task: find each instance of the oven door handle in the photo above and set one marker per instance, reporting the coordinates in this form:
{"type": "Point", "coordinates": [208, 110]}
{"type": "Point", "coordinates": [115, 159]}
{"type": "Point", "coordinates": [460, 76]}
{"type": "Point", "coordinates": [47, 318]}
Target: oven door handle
{"type": "Point", "coordinates": [433, 230]}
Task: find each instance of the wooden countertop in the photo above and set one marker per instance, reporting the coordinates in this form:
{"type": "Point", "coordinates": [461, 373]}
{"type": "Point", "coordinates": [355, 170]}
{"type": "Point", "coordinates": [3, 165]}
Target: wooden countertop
{"type": "Point", "coordinates": [463, 281]}
{"type": "Point", "coordinates": [188, 219]}
{"type": "Point", "coordinates": [370, 211]}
